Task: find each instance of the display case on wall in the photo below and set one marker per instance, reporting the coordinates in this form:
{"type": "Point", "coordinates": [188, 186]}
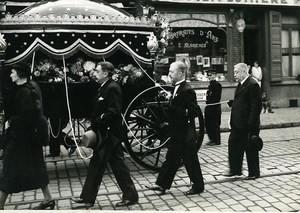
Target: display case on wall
{"type": "Point", "coordinates": [202, 49]}
{"type": "Point", "coordinates": [201, 41]}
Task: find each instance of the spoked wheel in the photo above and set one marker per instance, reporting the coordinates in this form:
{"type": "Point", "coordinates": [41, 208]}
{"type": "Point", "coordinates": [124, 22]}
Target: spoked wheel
{"type": "Point", "coordinates": [148, 128]}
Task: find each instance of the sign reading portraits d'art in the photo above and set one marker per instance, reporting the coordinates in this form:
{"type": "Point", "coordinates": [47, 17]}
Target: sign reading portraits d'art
{"type": "Point", "coordinates": [201, 48]}
{"type": "Point", "coordinates": [246, 2]}
{"type": "Point", "coordinates": [198, 39]}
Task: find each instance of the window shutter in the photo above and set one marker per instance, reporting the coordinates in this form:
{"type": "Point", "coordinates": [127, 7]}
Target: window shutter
{"type": "Point", "coordinates": [275, 46]}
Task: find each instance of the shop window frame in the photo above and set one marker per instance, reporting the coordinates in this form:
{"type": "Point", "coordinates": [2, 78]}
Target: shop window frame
{"type": "Point", "coordinates": [290, 51]}
{"type": "Point", "coordinates": [220, 22]}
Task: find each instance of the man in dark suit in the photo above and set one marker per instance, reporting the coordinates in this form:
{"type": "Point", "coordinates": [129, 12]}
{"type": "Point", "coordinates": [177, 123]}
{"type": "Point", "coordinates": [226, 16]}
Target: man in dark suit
{"type": "Point", "coordinates": [181, 115]}
{"type": "Point", "coordinates": [106, 119]}
{"type": "Point", "coordinates": [245, 123]}
{"type": "Point", "coordinates": [213, 112]}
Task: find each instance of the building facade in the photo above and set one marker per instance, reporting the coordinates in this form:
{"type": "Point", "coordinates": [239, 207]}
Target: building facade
{"type": "Point", "coordinates": [208, 35]}
{"type": "Point", "coordinates": [216, 34]}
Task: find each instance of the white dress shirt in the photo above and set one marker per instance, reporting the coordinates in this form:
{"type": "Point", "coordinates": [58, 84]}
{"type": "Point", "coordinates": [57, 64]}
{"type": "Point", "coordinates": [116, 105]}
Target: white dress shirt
{"type": "Point", "coordinates": [177, 84]}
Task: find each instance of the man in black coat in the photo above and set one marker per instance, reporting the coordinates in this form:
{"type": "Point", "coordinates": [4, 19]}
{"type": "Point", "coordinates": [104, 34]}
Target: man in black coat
{"type": "Point", "coordinates": [245, 123]}
{"type": "Point", "coordinates": [181, 115]}
{"type": "Point", "coordinates": [212, 110]}
{"type": "Point", "coordinates": [106, 119]}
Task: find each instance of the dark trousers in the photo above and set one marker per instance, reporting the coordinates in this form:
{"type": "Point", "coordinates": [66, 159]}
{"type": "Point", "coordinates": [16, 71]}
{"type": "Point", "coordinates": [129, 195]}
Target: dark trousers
{"type": "Point", "coordinates": [212, 123]}
{"type": "Point", "coordinates": [237, 145]}
{"type": "Point", "coordinates": [58, 137]}
{"type": "Point", "coordinates": [253, 163]}
{"type": "Point", "coordinates": [115, 157]}
{"type": "Point", "coordinates": [176, 153]}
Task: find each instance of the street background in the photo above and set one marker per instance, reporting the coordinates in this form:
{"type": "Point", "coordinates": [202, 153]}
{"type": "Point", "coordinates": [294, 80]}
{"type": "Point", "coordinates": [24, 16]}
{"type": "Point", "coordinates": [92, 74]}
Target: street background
{"type": "Point", "coordinates": [278, 189]}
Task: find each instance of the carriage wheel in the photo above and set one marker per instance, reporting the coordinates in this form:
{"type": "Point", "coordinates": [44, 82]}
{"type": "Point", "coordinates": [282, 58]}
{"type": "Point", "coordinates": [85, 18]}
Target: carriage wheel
{"type": "Point", "coordinates": [148, 134]}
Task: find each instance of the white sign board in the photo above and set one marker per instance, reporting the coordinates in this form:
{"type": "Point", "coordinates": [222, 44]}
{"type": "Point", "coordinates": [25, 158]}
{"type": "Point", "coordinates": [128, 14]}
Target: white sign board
{"type": "Point", "coordinates": [201, 95]}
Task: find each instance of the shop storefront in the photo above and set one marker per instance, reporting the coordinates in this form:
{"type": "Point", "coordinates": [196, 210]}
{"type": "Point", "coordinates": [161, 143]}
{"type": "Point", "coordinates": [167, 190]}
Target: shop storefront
{"type": "Point", "coordinates": [210, 35]}
{"type": "Point", "coordinates": [207, 34]}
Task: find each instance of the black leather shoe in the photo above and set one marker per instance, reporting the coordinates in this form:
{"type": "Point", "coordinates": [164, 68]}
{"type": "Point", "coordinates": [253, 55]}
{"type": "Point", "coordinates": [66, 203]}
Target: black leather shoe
{"type": "Point", "coordinates": [81, 201]}
{"type": "Point", "coordinates": [229, 174]}
{"type": "Point", "coordinates": [193, 192]}
{"type": "Point", "coordinates": [77, 200]}
{"type": "Point", "coordinates": [251, 177]}
{"type": "Point", "coordinates": [156, 188]}
{"type": "Point", "coordinates": [46, 204]}
{"type": "Point", "coordinates": [126, 203]}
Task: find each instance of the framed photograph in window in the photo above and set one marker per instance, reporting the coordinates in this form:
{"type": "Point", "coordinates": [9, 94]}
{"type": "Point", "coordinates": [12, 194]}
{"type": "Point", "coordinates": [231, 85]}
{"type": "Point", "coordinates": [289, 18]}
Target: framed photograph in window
{"type": "Point", "coordinates": [199, 59]}
{"type": "Point", "coordinates": [221, 61]}
{"type": "Point", "coordinates": [206, 62]}
{"type": "Point", "coordinates": [214, 61]}
{"type": "Point", "coordinates": [225, 59]}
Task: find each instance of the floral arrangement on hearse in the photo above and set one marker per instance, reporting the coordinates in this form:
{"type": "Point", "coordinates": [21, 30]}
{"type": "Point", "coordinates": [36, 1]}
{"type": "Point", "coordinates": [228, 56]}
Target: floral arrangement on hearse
{"type": "Point", "coordinates": [48, 71]}
{"type": "Point", "coordinates": [127, 74]}
{"type": "Point", "coordinates": [81, 71]}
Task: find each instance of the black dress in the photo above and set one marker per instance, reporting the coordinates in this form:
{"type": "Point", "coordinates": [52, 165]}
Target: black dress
{"type": "Point", "coordinates": [23, 161]}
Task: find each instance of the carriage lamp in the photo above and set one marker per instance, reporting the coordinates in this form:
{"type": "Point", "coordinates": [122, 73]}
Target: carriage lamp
{"type": "Point", "coordinates": [152, 44]}
{"type": "Point", "coordinates": [2, 9]}
{"type": "Point", "coordinates": [3, 44]}
{"type": "Point", "coordinates": [145, 10]}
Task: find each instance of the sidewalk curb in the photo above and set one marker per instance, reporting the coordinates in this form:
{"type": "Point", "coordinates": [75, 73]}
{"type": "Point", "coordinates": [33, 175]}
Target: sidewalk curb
{"type": "Point", "coordinates": [270, 126]}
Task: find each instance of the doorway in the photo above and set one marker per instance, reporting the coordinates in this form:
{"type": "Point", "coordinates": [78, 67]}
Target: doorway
{"type": "Point", "coordinates": [252, 46]}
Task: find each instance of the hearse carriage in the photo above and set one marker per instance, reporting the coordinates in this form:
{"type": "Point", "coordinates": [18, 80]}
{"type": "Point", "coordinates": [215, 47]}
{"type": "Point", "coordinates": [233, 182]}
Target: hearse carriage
{"type": "Point", "coordinates": [62, 40]}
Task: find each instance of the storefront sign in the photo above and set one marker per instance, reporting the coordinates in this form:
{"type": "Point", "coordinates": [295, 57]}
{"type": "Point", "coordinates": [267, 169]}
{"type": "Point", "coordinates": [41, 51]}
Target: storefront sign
{"type": "Point", "coordinates": [192, 38]}
{"type": "Point", "coordinates": [202, 48]}
{"type": "Point", "coordinates": [192, 45]}
{"type": "Point", "coordinates": [245, 2]}
{"type": "Point", "coordinates": [201, 95]}
{"type": "Point", "coordinates": [207, 34]}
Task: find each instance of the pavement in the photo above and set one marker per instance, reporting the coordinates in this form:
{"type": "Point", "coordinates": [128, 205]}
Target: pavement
{"type": "Point", "coordinates": [278, 189]}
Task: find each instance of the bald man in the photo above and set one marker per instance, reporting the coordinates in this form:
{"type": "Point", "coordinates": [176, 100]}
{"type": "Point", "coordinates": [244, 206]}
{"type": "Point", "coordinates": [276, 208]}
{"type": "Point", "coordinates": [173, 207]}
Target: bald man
{"type": "Point", "coordinates": [181, 115]}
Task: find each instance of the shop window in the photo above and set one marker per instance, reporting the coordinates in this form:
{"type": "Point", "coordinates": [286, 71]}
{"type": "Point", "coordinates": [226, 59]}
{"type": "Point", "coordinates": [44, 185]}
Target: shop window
{"type": "Point", "coordinates": [202, 48]}
{"type": "Point", "coordinates": [290, 52]}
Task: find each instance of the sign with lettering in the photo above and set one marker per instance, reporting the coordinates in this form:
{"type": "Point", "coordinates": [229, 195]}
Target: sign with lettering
{"type": "Point", "coordinates": [201, 95]}
{"type": "Point", "coordinates": [198, 40]}
{"type": "Point", "coordinates": [202, 48]}
{"type": "Point", "coordinates": [208, 34]}
{"type": "Point", "coordinates": [239, 2]}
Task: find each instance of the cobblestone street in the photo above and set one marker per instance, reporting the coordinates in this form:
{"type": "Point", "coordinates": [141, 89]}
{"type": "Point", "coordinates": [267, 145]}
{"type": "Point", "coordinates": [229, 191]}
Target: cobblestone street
{"type": "Point", "coordinates": [277, 189]}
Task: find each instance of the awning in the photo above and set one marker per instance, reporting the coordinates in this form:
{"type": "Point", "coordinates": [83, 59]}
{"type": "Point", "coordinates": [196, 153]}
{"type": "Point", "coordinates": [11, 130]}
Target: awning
{"type": "Point", "coordinates": [63, 27]}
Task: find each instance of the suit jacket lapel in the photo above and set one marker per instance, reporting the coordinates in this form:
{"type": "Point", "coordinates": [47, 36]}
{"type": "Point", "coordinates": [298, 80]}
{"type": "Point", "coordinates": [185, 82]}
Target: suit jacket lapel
{"type": "Point", "coordinates": [181, 85]}
{"type": "Point", "coordinates": [180, 88]}
{"type": "Point", "coordinates": [244, 86]}
{"type": "Point", "coordinates": [103, 88]}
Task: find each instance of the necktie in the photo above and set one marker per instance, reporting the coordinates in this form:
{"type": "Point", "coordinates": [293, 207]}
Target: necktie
{"type": "Point", "coordinates": [238, 87]}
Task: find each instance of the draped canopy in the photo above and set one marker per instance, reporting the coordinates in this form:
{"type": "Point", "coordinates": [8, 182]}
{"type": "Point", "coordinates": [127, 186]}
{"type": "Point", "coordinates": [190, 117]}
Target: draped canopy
{"type": "Point", "coordinates": [61, 28]}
